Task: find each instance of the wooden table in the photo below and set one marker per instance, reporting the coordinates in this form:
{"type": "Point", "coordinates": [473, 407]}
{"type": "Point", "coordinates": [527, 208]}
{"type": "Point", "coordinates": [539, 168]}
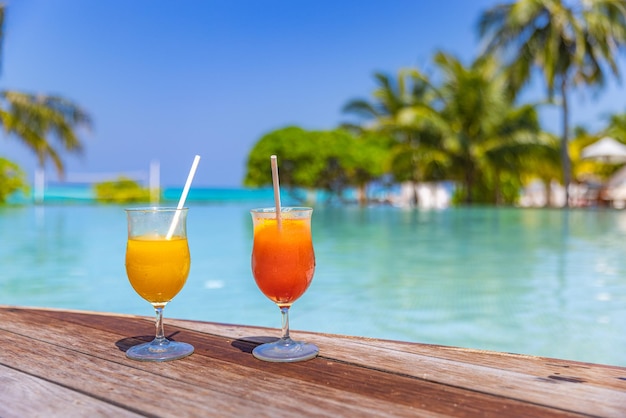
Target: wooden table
{"type": "Point", "coordinates": [69, 363]}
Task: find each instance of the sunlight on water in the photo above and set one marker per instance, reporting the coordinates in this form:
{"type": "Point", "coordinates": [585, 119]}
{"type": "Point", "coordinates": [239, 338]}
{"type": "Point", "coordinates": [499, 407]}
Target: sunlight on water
{"type": "Point", "coordinates": [543, 282]}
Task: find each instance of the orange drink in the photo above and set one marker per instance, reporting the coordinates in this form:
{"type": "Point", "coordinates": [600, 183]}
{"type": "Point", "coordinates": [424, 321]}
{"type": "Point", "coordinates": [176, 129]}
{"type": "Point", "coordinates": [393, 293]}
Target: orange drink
{"type": "Point", "coordinates": [157, 268]}
{"type": "Point", "coordinates": [283, 261]}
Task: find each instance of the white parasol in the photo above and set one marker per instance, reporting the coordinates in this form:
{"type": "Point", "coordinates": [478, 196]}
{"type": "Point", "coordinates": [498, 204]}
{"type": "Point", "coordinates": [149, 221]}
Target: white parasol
{"type": "Point", "coordinates": [606, 150]}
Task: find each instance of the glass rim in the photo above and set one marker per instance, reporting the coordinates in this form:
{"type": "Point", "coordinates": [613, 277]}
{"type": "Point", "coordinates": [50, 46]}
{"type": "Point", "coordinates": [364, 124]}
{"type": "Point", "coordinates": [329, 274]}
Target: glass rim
{"type": "Point", "coordinates": [156, 209]}
{"type": "Point", "coordinates": [282, 209]}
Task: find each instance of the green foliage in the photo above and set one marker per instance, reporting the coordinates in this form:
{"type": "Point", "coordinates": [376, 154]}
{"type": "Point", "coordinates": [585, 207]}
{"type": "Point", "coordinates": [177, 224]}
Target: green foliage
{"type": "Point", "coordinates": [368, 157]}
{"type": "Point", "coordinates": [463, 122]}
{"type": "Point", "coordinates": [327, 160]}
{"type": "Point", "coordinates": [12, 180]}
{"type": "Point", "coordinates": [122, 190]}
{"type": "Point", "coordinates": [46, 124]}
{"type": "Point", "coordinates": [570, 42]}
{"type": "Point", "coordinates": [464, 127]}
{"type": "Point", "coordinates": [297, 159]}
{"type": "Point", "coordinates": [492, 187]}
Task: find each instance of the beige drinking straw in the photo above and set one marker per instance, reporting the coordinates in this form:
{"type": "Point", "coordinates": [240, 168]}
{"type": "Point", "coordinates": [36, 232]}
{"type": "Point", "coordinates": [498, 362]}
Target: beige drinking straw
{"type": "Point", "coordinates": [183, 197]}
{"type": "Point", "coordinates": [276, 184]}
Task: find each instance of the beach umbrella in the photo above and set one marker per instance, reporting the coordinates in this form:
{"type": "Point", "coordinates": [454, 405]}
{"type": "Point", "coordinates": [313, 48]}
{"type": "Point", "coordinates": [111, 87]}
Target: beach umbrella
{"type": "Point", "coordinates": [606, 150]}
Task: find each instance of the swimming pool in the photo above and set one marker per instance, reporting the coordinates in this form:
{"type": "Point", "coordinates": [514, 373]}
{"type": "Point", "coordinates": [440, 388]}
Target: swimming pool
{"type": "Point", "coordinates": [531, 281]}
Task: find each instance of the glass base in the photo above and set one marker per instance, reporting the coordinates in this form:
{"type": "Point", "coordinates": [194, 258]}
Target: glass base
{"type": "Point", "coordinates": [286, 351]}
{"type": "Point", "coordinates": [159, 351]}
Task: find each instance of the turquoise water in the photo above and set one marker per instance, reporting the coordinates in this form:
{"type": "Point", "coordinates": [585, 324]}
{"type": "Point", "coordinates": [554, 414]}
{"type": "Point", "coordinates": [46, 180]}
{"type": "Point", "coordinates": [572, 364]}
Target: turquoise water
{"type": "Point", "coordinates": [531, 281]}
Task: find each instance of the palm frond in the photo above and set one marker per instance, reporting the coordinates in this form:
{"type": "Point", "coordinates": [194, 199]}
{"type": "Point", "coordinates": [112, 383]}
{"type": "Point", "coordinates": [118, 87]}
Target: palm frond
{"type": "Point", "coordinates": [37, 120]}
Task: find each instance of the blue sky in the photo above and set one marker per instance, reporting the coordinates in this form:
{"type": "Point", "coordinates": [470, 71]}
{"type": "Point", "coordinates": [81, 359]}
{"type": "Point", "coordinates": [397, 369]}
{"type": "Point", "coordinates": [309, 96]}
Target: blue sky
{"type": "Point", "coordinates": [165, 80]}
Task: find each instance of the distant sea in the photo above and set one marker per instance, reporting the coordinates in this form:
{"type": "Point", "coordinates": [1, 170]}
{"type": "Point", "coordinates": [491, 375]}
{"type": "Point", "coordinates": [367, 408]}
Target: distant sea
{"type": "Point", "coordinates": [546, 282]}
{"type": "Point", "coordinates": [84, 193]}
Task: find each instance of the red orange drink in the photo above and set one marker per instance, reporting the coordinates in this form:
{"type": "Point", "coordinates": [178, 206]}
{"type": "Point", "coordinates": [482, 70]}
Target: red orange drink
{"type": "Point", "coordinates": [283, 263]}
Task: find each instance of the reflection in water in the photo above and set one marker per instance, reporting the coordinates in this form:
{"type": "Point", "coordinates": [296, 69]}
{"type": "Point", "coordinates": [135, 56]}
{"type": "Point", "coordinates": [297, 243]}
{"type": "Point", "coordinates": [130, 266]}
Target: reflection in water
{"type": "Point", "coordinates": [534, 281]}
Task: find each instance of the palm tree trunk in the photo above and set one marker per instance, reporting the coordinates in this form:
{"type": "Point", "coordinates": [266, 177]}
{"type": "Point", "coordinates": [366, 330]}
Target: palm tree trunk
{"type": "Point", "coordinates": [497, 190]}
{"type": "Point", "coordinates": [414, 194]}
{"type": "Point", "coordinates": [469, 181]}
{"type": "Point", "coordinates": [565, 160]}
{"type": "Point", "coordinates": [547, 184]}
{"type": "Point", "coordinates": [362, 194]}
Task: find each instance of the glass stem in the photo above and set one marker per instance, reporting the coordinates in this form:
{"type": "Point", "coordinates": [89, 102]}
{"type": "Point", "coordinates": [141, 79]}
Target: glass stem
{"type": "Point", "coordinates": [284, 310]}
{"type": "Point", "coordinates": [160, 334]}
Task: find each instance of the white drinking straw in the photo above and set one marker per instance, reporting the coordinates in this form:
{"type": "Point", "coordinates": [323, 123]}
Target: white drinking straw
{"type": "Point", "coordinates": [183, 197]}
{"type": "Point", "coordinates": [276, 184]}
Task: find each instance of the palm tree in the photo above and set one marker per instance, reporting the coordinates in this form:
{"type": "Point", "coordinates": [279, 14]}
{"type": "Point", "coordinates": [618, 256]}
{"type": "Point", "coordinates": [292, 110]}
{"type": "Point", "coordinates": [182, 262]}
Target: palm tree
{"type": "Point", "coordinates": [42, 123]}
{"type": "Point", "coordinates": [35, 119]}
{"type": "Point", "coordinates": [571, 42]}
{"type": "Point", "coordinates": [487, 139]}
{"type": "Point", "coordinates": [387, 113]}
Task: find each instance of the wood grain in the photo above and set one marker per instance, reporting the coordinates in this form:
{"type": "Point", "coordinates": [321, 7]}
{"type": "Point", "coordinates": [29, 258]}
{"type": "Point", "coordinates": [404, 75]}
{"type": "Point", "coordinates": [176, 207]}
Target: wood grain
{"type": "Point", "coordinates": [61, 357]}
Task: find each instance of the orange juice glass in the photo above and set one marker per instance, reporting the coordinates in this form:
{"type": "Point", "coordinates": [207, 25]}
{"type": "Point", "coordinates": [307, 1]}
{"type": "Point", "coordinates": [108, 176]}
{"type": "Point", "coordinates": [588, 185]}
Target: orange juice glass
{"type": "Point", "coordinates": [157, 266]}
{"type": "Point", "coordinates": [283, 263]}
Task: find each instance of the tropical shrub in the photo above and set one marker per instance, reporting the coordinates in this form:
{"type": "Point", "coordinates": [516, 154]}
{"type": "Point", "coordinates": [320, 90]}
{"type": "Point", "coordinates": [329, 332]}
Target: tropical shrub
{"type": "Point", "coordinates": [122, 190]}
{"type": "Point", "coordinates": [12, 180]}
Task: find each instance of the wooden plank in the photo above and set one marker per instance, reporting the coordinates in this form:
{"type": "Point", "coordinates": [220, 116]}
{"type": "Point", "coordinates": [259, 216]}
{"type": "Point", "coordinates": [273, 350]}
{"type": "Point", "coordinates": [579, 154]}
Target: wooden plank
{"type": "Point", "coordinates": [583, 387]}
{"type": "Point", "coordinates": [182, 388]}
{"type": "Point", "coordinates": [592, 373]}
{"type": "Point", "coordinates": [397, 389]}
{"type": "Point", "coordinates": [22, 394]}
{"type": "Point", "coordinates": [152, 389]}
{"type": "Point", "coordinates": [604, 375]}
